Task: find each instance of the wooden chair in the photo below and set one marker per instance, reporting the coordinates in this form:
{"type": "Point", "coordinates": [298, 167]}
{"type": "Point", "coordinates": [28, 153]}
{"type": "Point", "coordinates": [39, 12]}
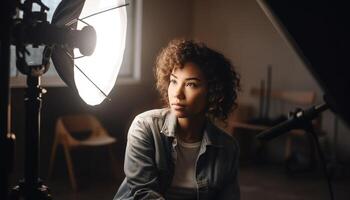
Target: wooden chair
{"type": "Point", "coordinates": [297, 98]}
{"type": "Point", "coordinates": [71, 127]}
{"type": "Point", "coordinates": [303, 98]}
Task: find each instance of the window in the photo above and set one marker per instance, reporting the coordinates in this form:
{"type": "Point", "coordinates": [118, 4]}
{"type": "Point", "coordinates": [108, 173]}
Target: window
{"type": "Point", "coordinates": [129, 71]}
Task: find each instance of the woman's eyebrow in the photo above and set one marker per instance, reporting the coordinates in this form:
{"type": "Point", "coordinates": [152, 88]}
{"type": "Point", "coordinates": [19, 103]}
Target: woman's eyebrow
{"type": "Point", "coordinates": [193, 78]}
{"type": "Point", "coordinates": [188, 79]}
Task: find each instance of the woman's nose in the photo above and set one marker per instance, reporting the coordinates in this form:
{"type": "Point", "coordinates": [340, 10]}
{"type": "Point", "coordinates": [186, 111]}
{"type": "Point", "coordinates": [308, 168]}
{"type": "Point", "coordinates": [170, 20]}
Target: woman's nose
{"type": "Point", "coordinates": [179, 93]}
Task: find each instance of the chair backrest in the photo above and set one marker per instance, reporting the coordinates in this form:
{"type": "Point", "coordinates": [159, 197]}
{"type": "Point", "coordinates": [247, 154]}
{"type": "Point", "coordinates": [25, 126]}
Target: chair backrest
{"type": "Point", "coordinates": [75, 128]}
{"type": "Point", "coordinates": [77, 123]}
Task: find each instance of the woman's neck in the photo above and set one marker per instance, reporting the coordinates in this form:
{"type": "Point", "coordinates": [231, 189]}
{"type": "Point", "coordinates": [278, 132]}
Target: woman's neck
{"type": "Point", "coordinates": [191, 129]}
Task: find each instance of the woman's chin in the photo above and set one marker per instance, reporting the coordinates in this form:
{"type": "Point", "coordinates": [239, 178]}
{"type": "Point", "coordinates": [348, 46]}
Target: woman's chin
{"type": "Point", "coordinates": [179, 113]}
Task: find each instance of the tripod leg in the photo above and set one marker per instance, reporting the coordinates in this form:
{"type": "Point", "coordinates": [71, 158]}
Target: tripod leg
{"type": "Point", "coordinates": [288, 148]}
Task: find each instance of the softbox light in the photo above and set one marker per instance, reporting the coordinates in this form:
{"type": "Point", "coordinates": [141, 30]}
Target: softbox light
{"type": "Point", "coordinates": [318, 31]}
{"type": "Point", "coordinates": [92, 76]}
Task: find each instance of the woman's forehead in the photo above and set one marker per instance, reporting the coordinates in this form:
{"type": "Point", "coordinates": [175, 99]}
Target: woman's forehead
{"type": "Point", "coordinates": [188, 69]}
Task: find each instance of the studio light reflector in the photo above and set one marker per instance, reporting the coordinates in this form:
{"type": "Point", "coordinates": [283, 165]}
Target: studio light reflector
{"type": "Point", "coordinates": [92, 76]}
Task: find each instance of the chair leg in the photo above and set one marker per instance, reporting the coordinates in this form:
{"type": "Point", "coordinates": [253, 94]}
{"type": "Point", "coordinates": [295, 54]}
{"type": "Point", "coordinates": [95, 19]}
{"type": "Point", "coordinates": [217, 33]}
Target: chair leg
{"type": "Point", "coordinates": [70, 167]}
{"type": "Point", "coordinates": [52, 158]}
{"type": "Point", "coordinates": [113, 161]}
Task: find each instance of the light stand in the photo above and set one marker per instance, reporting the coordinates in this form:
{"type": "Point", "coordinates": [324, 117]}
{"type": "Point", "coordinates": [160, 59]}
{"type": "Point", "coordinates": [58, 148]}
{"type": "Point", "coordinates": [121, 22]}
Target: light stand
{"type": "Point", "coordinates": [59, 38]}
{"type": "Point", "coordinates": [33, 29]}
{"type": "Point", "coordinates": [32, 187]}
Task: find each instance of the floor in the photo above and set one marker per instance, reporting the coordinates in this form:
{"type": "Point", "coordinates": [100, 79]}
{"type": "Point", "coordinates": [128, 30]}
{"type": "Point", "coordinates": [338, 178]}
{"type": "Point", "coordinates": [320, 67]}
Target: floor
{"type": "Point", "coordinates": [256, 182]}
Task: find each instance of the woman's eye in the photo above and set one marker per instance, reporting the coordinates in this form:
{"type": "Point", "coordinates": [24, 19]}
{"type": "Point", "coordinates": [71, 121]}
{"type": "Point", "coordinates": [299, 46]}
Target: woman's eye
{"type": "Point", "coordinates": [172, 81]}
{"type": "Point", "coordinates": [191, 85]}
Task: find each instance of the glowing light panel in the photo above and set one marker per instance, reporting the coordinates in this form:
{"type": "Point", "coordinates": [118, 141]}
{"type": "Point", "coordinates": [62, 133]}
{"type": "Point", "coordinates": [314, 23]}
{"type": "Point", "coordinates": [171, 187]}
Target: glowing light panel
{"type": "Point", "coordinates": [103, 66]}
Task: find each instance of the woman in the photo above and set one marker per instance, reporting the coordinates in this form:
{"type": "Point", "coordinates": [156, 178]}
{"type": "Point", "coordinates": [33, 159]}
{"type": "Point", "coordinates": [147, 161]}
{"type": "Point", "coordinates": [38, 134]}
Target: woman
{"type": "Point", "coordinates": [177, 152]}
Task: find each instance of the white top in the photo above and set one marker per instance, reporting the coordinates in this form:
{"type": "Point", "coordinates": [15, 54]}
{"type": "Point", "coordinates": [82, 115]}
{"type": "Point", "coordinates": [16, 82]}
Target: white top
{"type": "Point", "coordinates": [184, 176]}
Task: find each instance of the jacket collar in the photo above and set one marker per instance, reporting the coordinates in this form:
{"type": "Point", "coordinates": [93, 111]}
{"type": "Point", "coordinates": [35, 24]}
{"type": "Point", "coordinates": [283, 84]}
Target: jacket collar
{"type": "Point", "coordinates": [210, 136]}
{"type": "Point", "coordinates": [169, 125]}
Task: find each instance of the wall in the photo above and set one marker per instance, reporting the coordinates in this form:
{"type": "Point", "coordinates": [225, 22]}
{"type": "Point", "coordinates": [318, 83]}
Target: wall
{"type": "Point", "coordinates": [240, 30]}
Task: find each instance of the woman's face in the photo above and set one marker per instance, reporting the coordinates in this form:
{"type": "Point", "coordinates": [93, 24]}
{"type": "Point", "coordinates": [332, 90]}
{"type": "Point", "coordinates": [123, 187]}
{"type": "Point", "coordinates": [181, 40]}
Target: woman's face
{"type": "Point", "coordinates": [187, 91]}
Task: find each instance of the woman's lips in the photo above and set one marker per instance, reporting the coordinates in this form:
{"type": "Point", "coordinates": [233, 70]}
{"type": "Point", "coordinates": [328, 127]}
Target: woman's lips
{"type": "Point", "coordinates": [178, 106]}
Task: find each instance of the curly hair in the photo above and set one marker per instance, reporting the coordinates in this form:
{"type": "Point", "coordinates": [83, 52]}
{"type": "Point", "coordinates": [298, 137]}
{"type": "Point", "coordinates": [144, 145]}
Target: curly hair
{"type": "Point", "coordinates": [223, 80]}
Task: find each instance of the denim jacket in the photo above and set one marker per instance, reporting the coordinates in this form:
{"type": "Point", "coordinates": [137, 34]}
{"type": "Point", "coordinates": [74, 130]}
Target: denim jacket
{"type": "Point", "coordinates": [151, 156]}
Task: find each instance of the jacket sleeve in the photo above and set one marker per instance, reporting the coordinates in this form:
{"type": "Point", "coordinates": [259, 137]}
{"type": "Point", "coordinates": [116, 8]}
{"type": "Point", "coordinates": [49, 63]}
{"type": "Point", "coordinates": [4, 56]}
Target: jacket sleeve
{"type": "Point", "coordinates": [231, 190]}
{"type": "Point", "coordinates": [139, 166]}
